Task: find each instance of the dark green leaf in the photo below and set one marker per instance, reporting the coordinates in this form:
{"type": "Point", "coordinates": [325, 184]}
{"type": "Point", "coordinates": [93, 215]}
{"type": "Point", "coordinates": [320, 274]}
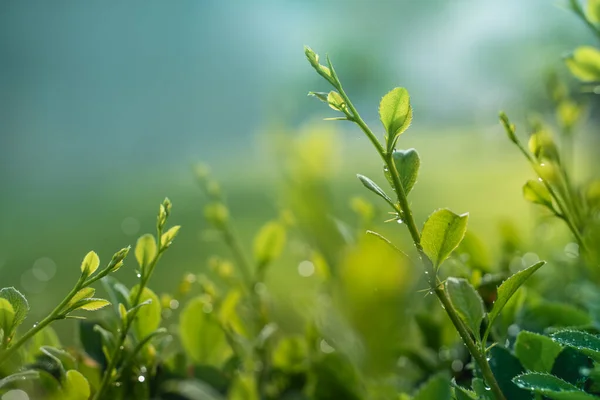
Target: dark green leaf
{"type": "Point", "coordinates": [437, 388]}
{"type": "Point", "coordinates": [583, 341]}
{"type": "Point", "coordinates": [570, 365]}
{"type": "Point", "coordinates": [550, 386]}
{"type": "Point", "coordinates": [505, 367]}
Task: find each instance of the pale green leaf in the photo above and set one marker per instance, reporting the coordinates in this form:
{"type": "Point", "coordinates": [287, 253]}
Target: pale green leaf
{"type": "Point", "coordinates": [508, 288]}
{"type": "Point", "coordinates": [91, 304]}
{"type": "Point", "coordinates": [202, 336]}
{"type": "Point", "coordinates": [467, 303]}
{"type": "Point", "coordinates": [336, 101]}
{"type": "Point", "coordinates": [550, 386]}
{"type": "Point", "coordinates": [7, 317]}
{"type": "Point", "coordinates": [372, 186]}
{"type": "Point", "coordinates": [269, 242]}
{"type": "Point", "coordinates": [395, 113]}
{"type": "Point", "coordinates": [442, 233]}
{"type": "Point", "coordinates": [536, 192]}
{"type": "Point", "coordinates": [536, 352]}
{"type": "Point", "coordinates": [80, 295]}
{"type": "Point", "coordinates": [593, 10]}
{"type": "Point", "coordinates": [407, 164]}
{"type": "Point", "coordinates": [147, 318]}
{"type": "Point", "coordinates": [19, 304]}
{"type": "Point", "coordinates": [585, 63]}
{"type": "Point", "coordinates": [90, 263]}
{"type": "Point", "coordinates": [168, 237]}
{"type": "Point", "coordinates": [244, 387]}
{"type": "Point", "coordinates": [145, 250]}
{"type": "Point", "coordinates": [76, 386]}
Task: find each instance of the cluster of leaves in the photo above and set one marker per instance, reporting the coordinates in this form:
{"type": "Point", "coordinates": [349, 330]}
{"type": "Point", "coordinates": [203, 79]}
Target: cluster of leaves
{"type": "Point", "coordinates": [353, 336]}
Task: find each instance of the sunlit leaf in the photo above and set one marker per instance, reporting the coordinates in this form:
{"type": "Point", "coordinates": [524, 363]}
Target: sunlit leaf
{"type": "Point", "coordinates": [395, 113]}
{"type": "Point", "coordinates": [536, 192]}
{"type": "Point", "coordinates": [168, 237]}
{"type": "Point", "coordinates": [442, 233]}
{"type": "Point", "coordinates": [82, 294]}
{"type": "Point", "coordinates": [90, 263]}
{"type": "Point", "coordinates": [76, 386]}
{"type": "Point", "coordinates": [148, 317]}
{"type": "Point", "coordinates": [19, 304]}
{"type": "Point", "coordinates": [91, 304]}
{"type": "Point", "coordinates": [269, 242]}
{"type": "Point", "coordinates": [407, 164]}
{"type": "Point", "coordinates": [145, 250]}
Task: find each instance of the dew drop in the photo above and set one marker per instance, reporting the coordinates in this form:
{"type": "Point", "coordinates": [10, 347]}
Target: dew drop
{"type": "Point", "coordinates": [141, 378]}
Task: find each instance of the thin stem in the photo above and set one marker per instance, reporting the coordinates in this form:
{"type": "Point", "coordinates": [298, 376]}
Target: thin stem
{"type": "Point", "coordinates": [238, 253]}
{"type": "Point", "coordinates": [54, 315]}
{"type": "Point", "coordinates": [478, 355]}
{"type": "Point", "coordinates": [117, 351]}
{"type": "Point", "coordinates": [408, 219]}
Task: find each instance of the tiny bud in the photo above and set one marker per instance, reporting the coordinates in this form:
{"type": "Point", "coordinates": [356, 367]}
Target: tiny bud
{"type": "Point", "coordinates": [509, 128]}
{"type": "Point", "coordinates": [117, 259]}
{"type": "Point", "coordinates": [548, 172]}
{"type": "Point", "coordinates": [542, 145]}
{"type": "Point", "coordinates": [202, 171]}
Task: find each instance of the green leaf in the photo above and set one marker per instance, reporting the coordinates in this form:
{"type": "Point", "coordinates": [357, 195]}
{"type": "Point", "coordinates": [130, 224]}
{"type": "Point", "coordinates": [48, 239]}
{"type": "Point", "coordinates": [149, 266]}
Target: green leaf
{"type": "Point", "coordinates": [407, 164]}
{"type": "Point", "coordinates": [505, 367]}
{"type": "Point", "coordinates": [7, 318]}
{"type": "Point", "coordinates": [482, 391]}
{"type": "Point", "coordinates": [550, 386]}
{"type": "Point", "coordinates": [201, 334]}
{"type": "Point", "coordinates": [336, 101]}
{"type": "Point", "coordinates": [90, 263]}
{"type": "Point", "coordinates": [167, 238]}
{"type": "Point", "coordinates": [395, 113]}
{"type": "Point", "coordinates": [442, 233]}
{"type": "Point", "coordinates": [91, 304]}
{"type": "Point", "coordinates": [19, 304]}
{"type": "Point", "coordinates": [290, 354]}
{"type": "Point", "coordinates": [536, 352]}
{"type": "Point", "coordinates": [463, 394]}
{"type": "Point", "coordinates": [593, 10]}
{"type": "Point", "coordinates": [508, 288]}
{"type": "Point", "coordinates": [571, 365]}
{"type": "Point", "coordinates": [76, 386]}
{"type": "Point", "coordinates": [147, 319]}
{"type": "Point", "coordinates": [541, 315]}
{"type": "Point", "coordinates": [84, 293]}
{"type": "Point", "coordinates": [585, 63]}
{"type": "Point", "coordinates": [582, 341]}
{"type": "Point", "coordinates": [269, 242]}
{"type": "Point", "coordinates": [18, 377]}
{"type": "Point", "coordinates": [466, 302]}
{"type": "Point", "coordinates": [145, 250]}
{"type": "Point", "coordinates": [243, 387]}
{"type": "Point", "coordinates": [64, 358]}
{"type": "Point", "coordinates": [437, 388]}
{"type": "Point", "coordinates": [537, 193]}
{"type": "Point", "coordinates": [319, 95]}
{"type": "Point", "coordinates": [372, 186]}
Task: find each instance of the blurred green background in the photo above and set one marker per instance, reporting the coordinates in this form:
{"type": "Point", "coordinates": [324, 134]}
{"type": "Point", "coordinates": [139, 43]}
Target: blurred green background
{"type": "Point", "coordinates": [105, 107]}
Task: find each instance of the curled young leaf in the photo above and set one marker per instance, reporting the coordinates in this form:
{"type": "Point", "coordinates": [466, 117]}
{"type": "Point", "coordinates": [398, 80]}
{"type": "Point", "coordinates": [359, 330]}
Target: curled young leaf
{"type": "Point", "coordinates": [336, 102]}
{"type": "Point", "coordinates": [90, 263]}
{"type": "Point", "coordinates": [442, 233]}
{"type": "Point", "coordinates": [395, 113]}
{"type": "Point", "coordinates": [407, 164]}
{"type": "Point", "coordinates": [373, 187]}
{"type": "Point", "coordinates": [537, 193]}
{"type": "Point", "coordinates": [145, 250]}
{"type": "Point", "coordinates": [584, 63]}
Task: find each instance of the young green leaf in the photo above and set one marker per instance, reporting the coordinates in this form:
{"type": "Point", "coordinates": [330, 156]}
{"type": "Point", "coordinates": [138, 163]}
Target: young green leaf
{"type": "Point", "coordinates": [467, 302]}
{"type": "Point", "coordinates": [437, 388]}
{"type": "Point", "coordinates": [201, 334]}
{"type": "Point", "coordinates": [537, 193]}
{"type": "Point", "coordinates": [19, 304]}
{"type": "Point", "coordinates": [90, 263]}
{"type": "Point", "coordinates": [269, 242]}
{"type": "Point", "coordinates": [243, 387]}
{"type": "Point", "coordinates": [319, 95]}
{"type": "Point", "coordinates": [91, 304]}
{"type": "Point", "coordinates": [582, 341]}
{"type": "Point", "coordinates": [372, 186]}
{"type": "Point", "coordinates": [168, 237]}
{"type": "Point", "coordinates": [550, 386]}
{"type": "Point", "coordinates": [407, 164]}
{"type": "Point", "coordinates": [585, 63]}
{"type": "Point", "coordinates": [593, 10]}
{"type": "Point", "coordinates": [463, 394]}
{"type": "Point", "coordinates": [145, 250]}
{"type": "Point", "coordinates": [76, 386]}
{"type": "Point", "coordinates": [147, 319]}
{"type": "Point", "coordinates": [395, 113]}
{"type": "Point", "coordinates": [536, 352]}
{"type": "Point", "coordinates": [80, 295]}
{"type": "Point", "coordinates": [19, 377]}
{"type": "Point", "coordinates": [335, 101]}
{"type": "Point", "coordinates": [7, 318]}
{"type": "Point", "coordinates": [508, 289]}
{"type": "Point", "coordinates": [442, 233]}
{"type": "Point", "coordinates": [509, 127]}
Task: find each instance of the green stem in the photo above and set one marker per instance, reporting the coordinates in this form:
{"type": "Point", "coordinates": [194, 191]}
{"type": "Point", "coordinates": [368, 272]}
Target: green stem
{"type": "Point", "coordinates": [54, 315]}
{"type": "Point", "coordinates": [117, 351]}
{"type": "Point", "coordinates": [409, 221]}
{"type": "Point", "coordinates": [234, 244]}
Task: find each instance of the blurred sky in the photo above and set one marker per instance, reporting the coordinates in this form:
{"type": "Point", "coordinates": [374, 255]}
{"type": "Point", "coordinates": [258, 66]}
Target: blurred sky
{"type": "Point", "coordinates": [95, 93]}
